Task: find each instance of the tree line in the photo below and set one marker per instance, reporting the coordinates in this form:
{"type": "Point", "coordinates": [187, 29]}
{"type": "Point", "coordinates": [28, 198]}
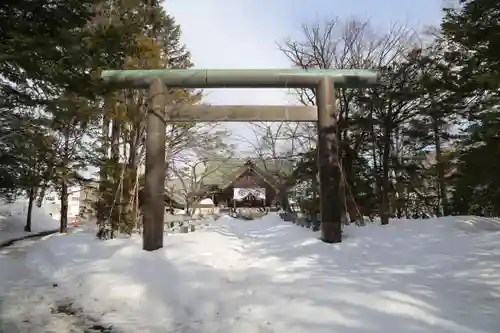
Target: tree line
{"type": "Point", "coordinates": [59, 122]}
{"type": "Point", "coordinates": [425, 142]}
{"type": "Point", "coordinates": [422, 143]}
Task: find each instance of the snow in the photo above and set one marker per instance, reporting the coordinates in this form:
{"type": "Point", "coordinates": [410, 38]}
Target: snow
{"type": "Point", "coordinates": [208, 210]}
{"type": "Point", "coordinates": [13, 219]}
{"type": "Point", "coordinates": [27, 299]}
{"type": "Point", "coordinates": [435, 275]}
{"type": "Point", "coordinates": [207, 201]}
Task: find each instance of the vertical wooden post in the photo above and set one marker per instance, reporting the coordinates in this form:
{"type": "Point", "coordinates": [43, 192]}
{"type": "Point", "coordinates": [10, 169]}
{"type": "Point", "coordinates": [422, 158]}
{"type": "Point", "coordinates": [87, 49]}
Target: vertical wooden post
{"type": "Point", "coordinates": [328, 163]}
{"type": "Point", "coordinates": [154, 203]}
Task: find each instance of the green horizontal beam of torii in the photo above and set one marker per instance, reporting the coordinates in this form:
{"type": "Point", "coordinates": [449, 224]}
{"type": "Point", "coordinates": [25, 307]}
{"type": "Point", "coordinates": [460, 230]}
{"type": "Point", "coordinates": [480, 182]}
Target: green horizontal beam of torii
{"type": "Point", "coordinates": [241, 78]}
{"type": "Point", "coordinates": [323, 81]}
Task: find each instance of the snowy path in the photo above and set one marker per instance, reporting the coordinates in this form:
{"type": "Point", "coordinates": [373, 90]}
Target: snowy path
{"type": "Point", "coordinates": [412, 282]}
{"type": "Point", "coordinates": [27, 300]}
{"type": "Point", "coordinates": [267, 276]}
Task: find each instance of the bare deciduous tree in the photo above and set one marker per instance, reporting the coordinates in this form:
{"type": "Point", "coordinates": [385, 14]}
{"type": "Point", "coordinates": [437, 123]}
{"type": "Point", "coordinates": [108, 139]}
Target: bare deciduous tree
{"type": "Point", "coordinates": [349, 44]}
{"type": "Point", "coordinates": [277, 146]}
{"type": "Point", "coordinates": [197, 157]}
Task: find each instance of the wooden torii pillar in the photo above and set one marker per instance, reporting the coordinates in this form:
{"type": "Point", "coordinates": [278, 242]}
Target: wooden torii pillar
{"type": "Point", "coordinates": [159, 113]}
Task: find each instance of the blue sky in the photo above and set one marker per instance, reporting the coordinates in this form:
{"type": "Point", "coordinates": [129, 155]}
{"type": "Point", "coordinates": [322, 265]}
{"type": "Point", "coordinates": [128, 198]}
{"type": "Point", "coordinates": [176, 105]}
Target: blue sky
{"type": "Point", "coordinates": [244, 33]}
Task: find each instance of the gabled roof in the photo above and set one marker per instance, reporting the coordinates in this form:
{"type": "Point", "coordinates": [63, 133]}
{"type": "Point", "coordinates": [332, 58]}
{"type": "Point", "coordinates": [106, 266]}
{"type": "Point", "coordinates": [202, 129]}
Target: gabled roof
{"type": "Point", "coordinates": [221, 172]}
{"type": "Point", "coordinates": [249, 165]}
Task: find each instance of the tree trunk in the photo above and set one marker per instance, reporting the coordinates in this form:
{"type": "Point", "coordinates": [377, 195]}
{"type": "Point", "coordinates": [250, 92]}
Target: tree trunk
{"type": "Point", "coordinates": [63, 227]}
{"type": "Point", "coordinates": [189, 208]}
{"type": "Point", "coordinates": [385, 204]}
{"type": "Point", "coordinates": [343, 194]}
{"type": "Point", "coordinates": [31, 199]}
{"type": "Point", "coordinates": [399, 195]}
{"type": "Point", "coordinates": [314, 185]}
{"type": "Point", "coordinates": [349, 188]}
{"type": "Point", "coordinates": [407, 213]}
{"type": "Point", "coordinates": [375, 171]}
{"type": "Point", "coordinates": [137, 213]}
{"type": "Point", "coordinates": [100, 214]}
{"type": "Point", "coordinates": [283, 198]}
{"type": "Point", "coordinates": [133, 174]}
{"type": "Point", "coordinates": [41, 195]}
{"type": "Point", "coordinates": [168, 151]}
{"type": "Point", "coordinates": [442, 195]}
{"type": "Point", "coordinates": [117, 174]}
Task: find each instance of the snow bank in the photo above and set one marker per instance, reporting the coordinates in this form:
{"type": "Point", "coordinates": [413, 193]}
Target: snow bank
{"type": "Point", "coordinates": [272, 276]}
{"type": "Point", "coordinates": [212, 209]}
{"type": "Point", "coordinates": [27, 299]}
{"type": "Point", "coordinates": [207, 201]}
{"type": "Point", "coordinates": [476, 223]}
{"type": "Point", "coordinates": [13, 220]}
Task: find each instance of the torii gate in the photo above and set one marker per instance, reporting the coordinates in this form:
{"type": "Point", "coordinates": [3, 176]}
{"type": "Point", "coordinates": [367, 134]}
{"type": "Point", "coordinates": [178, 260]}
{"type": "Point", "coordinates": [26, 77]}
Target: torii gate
{"type": "Point", "coordinates": [159, 113]}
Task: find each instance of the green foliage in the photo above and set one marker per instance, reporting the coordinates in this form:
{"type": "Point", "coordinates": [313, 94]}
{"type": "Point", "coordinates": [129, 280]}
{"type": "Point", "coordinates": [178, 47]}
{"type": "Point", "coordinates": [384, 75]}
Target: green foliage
{"type": "Point", "coordinates": [157, 45]}
{"type": "Point", "coordinates": [425, 141]}
{"type": "Point", "coordinates": [112, 205]}
{"type": "Point", "coordinates": [477, 182]}
{"type": "Point", "coordinates": [51, 54]}
{"type": "Point", "coordinates": [310, 207]}
{"type": "Point", "coordinates": [306, 167]}
{"type": "Point", "coordinates": [473, 32]}
{"type": "Point", "coordinates": [474, 29]}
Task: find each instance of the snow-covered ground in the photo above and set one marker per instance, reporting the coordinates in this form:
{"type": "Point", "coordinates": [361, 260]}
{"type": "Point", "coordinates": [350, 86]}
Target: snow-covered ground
{"type": "Point", "coordinates": [436, 275]}
{"type": "Point", "coordinates": [13, 219]}
{"type": "Point", "coordinates": [30, 302]}
{"type": "Point", "coordinates": [27, 300]}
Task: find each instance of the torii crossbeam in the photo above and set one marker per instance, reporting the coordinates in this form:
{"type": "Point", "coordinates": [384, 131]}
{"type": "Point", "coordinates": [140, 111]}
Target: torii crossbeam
{"type": "Point", "coordinates": [160, 113]}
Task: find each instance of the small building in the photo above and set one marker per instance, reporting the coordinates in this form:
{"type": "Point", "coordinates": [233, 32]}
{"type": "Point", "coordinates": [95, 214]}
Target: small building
{"type": "Point", "coordinates": [230, 183]}
{"type": "Point", "coordinates": [248, 186]}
